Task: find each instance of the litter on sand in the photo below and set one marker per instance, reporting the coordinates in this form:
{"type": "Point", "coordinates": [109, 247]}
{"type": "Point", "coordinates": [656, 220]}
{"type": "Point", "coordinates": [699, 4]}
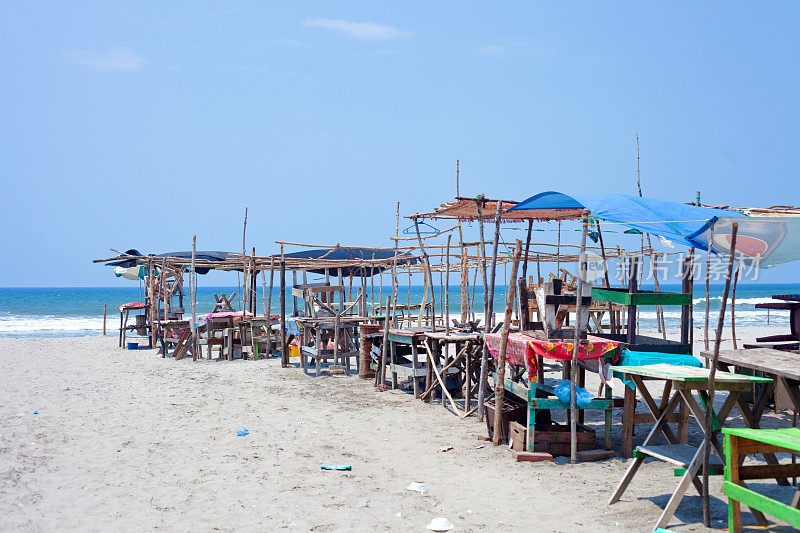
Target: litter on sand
{"type": "Point", "coordinates": [336, 467]}
{"type": "Point", "coordinates": [416, 486]}
{"type": "Point", "coordinates": [242, 432]}
{"type": "Point", "coordinates": [440, 524]}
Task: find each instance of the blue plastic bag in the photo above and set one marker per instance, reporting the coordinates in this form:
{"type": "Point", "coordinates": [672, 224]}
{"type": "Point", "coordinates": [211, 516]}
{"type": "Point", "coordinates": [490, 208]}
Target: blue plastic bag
{"type": "Point", "coordinates": [242, 432]}
{"type": "Point", "coordinates": [582, 397]}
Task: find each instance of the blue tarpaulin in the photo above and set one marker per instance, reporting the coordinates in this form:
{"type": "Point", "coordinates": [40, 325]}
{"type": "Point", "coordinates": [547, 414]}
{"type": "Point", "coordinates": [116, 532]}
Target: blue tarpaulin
{"type": "Point", "coordinates": [682, 223]}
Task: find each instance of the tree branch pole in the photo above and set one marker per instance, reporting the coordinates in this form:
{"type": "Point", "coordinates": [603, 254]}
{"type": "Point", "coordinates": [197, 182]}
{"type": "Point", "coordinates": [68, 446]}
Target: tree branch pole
{"type": "Point", "coordinates": [395, 283]}
{"type": "Point", "coordinates": [573, 378]}
{"type": "Point", "coordinates": [527, 248]}
{"type": "Point", "coordinates": [426, 264]}
{"type": "Point", "coordinates": [712, 375]}
{"type": "Point", "coordinates": [612, 318]}
{"type": "Point", "coordinates": [708, 299]}
{"type": "Point", "coordinates": [484, 352]}
{"type": "Point", "coordinates": [193, 298]}
{"type": "Point", "coordinates": [489, 312]}
{"type": "Point", "coordinates": [499, 388]}
{"type": "Point", "coordinates": [269, 303]}
{"type": "Point", "coordinates": [282, 298]}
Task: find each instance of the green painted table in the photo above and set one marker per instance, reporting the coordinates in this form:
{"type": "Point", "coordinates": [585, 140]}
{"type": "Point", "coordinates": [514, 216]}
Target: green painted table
{"type": "Point", "coordinates": [685, 381]}
{"type": "Point", "coordinates": [743, 441]}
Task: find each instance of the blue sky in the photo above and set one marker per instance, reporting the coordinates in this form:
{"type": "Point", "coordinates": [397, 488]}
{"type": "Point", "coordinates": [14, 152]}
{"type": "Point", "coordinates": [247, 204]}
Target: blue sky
{"type": "Point", "coordinates": [139, 124]}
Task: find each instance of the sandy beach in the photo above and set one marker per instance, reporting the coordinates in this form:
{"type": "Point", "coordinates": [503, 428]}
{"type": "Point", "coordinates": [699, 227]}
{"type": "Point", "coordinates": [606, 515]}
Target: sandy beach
{"type": "Point", "coordinates": [130, 441]}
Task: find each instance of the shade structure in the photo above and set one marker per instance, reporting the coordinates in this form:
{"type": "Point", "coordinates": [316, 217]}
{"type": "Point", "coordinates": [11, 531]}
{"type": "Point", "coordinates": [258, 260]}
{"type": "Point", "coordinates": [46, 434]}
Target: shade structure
{"type": "Point", "coordinates": [678, 222]}
{"type": "Point", "coordinates": [214, 256]}
{"type": "Point", "coordinates": [763, 241]}
{"type": "Point", "coordinates": [349, 260]}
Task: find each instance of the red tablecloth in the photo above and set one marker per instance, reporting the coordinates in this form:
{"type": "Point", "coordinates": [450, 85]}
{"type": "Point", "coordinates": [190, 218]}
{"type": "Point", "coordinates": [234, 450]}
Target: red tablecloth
{"type": "Point", "coordinates": [522, 349]}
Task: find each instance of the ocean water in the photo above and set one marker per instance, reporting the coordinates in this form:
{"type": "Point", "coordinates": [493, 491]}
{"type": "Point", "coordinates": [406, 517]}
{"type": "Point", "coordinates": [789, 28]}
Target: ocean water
{"type": "Point", "coordinates": [77, 311]}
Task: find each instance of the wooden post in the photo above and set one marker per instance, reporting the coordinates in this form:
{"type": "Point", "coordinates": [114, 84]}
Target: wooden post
{"type": "Point", "coordinates": [269, 304]}
{"type": "Point", "coordinates": [282, 296]}
{"type": "Point", "coordinates": [527, 248]}
{"type": "Point", "coordinates": [464, 294]}
{"type": "Point", "coordinates": [499, 388]}
{"type": "Point", "coordinates": [193, 298]}
{"type": "Point", "coordinates": [493, 270]}
{"type": "Point", "coordinates": [611, 317]}
{"type": "Point", "coordinates": [733, 307]}
{"type": "Point", "coordinates": [105, 309]}
{"type": "Point", "coordinates": [426, 265]}
{"type": "Point", "coordinates": [687, 285]}
{"type": "Point", "coordinates": [486, 326]}
{"type": "Point", "coordinates": [381, 373]}
{"type": "Point", "coordinates": [708, 299]}
{"type": "Point", "coordinates": [524, 307]}
{"type": "Point", "coordinates": [712, 375]}
{"type": "Point", "coordinates": [446, 290]}
{"type": "Point", "coordinates": [633, 286]}
{"type": "Point", "coordinates": [395, 283]}
{"type": "Point", "coordinates": [573, 407]}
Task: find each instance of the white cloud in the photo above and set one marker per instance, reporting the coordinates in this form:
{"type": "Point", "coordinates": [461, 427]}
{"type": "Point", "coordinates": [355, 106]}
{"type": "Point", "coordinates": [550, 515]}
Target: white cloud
{"type": "Point", "coordinates": [366, 31]}
{"type": "Point", "coordinates": [118, 59]}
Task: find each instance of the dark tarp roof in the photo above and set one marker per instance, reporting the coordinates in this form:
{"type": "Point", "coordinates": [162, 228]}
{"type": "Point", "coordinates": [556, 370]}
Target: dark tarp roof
{"type": "Point", "coordinates": [353, 255]}
{"type": "Point", "coordinates": [203, 256]}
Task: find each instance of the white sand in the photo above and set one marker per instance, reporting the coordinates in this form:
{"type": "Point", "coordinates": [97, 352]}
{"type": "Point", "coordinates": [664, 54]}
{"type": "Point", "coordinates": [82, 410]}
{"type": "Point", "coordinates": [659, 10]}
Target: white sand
{"type": "Point", "coordinates": [131, 441]}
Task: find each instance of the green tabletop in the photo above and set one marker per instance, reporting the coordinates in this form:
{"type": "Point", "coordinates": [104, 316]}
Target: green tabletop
{"type": "Point", "coordinates": [686, 373]}
{"type": "Point", "coordinates": [788, 438]}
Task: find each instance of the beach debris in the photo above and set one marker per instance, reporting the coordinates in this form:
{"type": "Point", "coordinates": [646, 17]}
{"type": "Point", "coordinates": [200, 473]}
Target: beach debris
{"type": "Point", "coordinates": [242, 432]}
{"type": "Point", "coordinates": [440, 523]}
{"type": "Point", "coordinates": [336, 467]}
{"type": "Point", "coordinates": [445, 448]}
{"type": "Point", "coordinates": [416, 486]}
{"type": "Point", "coordinates": [595, 455]}
{"type": "Point", "coordinates": [36, 412]}
{"type": "Point", "coordinates": [484, 438]}
{"type": "Point", "coordinates": [531, 457]}
{"type": "Point", "coordinates": [479, 446]}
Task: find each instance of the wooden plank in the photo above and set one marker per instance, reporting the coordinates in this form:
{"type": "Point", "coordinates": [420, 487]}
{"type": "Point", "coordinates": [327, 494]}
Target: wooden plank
{"type": "Point", "coordinates": [788, 438]}
{"type": "Point", "coordinates": [623, 297]}
{"type": "Point", "coordinates": [769, 471]}
{"type": "Point", "coordinates": [679, 455]}
{"type": "Point", "coordinates": [685, 373]}
{"type": "Point", "coordinates": [768, 360]}
{"type": "Point", "coordinates": [752, 499]}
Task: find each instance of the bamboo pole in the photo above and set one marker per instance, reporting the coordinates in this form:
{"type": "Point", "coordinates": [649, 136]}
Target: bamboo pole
{"type": "Point", "coordinates": [428, 279]}
{"type": "Point", "coordinates": [269, 306]}
{"type": "Point", "coordinates": [464, 275]}
{"type": "Point", "coordinates": [573, 407]}
{"type": "Point", "coordinates": [193, 298]}
{"type": "Point", "coordinates": [712, 375]}
{"type": "Point", "coordinates": [499, 388]}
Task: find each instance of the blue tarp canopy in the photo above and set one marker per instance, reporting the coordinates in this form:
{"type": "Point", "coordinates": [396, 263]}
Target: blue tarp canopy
{"type": "Point", "coordinates": [681, 223]}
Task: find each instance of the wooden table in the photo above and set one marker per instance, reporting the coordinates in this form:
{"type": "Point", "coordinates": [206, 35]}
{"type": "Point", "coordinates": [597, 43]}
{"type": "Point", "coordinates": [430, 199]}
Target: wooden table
{"type": "Point", "coordinates": [463, 364]}
{"type": "Point", "coordinates": [684, 381]}
{"type": "Point", "coordinates": [742, 441]}
{"type": "Point", "coordinates": [412, 337]}
{"type": "Point", "coordinates": [526, 351]}
{"type": "Point", "coordinates": [339, 328]}
{"type": "Point", "coordinates": [782, 366]}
